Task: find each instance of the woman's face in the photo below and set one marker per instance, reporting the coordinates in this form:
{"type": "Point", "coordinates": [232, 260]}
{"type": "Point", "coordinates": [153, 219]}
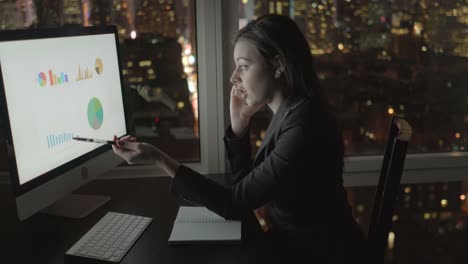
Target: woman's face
{"type": "Point", "coordinates": [253, 77]}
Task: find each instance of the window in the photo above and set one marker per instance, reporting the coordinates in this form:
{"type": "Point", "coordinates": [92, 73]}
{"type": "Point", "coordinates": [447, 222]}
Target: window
{"type": "Point", "coordinates": [158, 56]}
{"type": "Point", "coordinates": [430, 222]}
{"type": "Point", "coordinates": [375, 59]}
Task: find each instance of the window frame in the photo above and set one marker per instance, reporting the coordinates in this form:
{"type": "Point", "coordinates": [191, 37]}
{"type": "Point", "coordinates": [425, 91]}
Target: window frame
{"type": "Point", "coordinates": [210, 77]}
{"type": "Point", "coordinates": [419, 168]}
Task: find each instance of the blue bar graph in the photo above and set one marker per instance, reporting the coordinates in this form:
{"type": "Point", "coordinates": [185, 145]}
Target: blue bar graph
{"type": "Point", "coordinates": [55, 140]}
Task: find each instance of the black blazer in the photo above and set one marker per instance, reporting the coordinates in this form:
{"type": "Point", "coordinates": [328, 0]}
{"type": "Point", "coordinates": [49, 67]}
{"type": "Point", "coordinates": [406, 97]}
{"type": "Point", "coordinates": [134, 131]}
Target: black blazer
{"type": "Point", "coordinates": [297, 172]}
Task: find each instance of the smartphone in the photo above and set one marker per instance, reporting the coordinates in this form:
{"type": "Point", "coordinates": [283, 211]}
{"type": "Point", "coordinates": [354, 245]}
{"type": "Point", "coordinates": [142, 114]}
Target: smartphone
{"type": "Point", "coordinates": [94, 140]}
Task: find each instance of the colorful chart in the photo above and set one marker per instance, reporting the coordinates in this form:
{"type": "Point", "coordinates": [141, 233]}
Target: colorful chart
{"type": "Point", "coordinates": [99, 66]}
{"type": "Point", "coordinates": [84, 74]}
{"type": "Point", "coordinates": [54, 79]}
{"type": "Point", "coordinates": [54, 140]}
{"type": "Point", "coordinates": [95, 113]}
{"type": "Point", "coordinates": [42, 79]}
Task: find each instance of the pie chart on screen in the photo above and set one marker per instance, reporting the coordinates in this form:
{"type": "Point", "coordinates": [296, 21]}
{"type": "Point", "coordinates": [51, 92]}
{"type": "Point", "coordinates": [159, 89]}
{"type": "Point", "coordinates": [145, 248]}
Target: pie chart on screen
{"type": "Point", "coordinates": [95, 113]}
{"type": "Point", "coordinates": [41, 78]}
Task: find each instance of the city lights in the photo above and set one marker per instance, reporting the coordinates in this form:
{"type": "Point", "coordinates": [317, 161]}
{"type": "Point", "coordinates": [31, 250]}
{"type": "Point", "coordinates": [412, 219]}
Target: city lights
{"type": "Point", "coordinates": [417, 27]}
{"type": "Point", "coordinates": [407, 189]}
{"type": "Point", "coordinates": [443, 203]}
{"type": "Point", "coordinates": [180, 105]}
{"type": "Point", "coordinates": [191, 59]}
{"type": "Point", "coordinates": [188, 69]}
{"type": "Point", "coordinates": [145, 63]}
{"type": "Point", "coordinates": [427, 216]}
{"type": "Point", "coordinates": [258, 143]}
{"type": "Point", "coordinates": [360, 208]}
{"type": "Point", "coordinates": [391, 240]}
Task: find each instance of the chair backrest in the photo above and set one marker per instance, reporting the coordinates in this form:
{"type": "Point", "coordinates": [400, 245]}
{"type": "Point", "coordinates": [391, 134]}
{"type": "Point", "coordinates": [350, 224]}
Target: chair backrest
{"type": "Point", "coordinates": [388, 188]}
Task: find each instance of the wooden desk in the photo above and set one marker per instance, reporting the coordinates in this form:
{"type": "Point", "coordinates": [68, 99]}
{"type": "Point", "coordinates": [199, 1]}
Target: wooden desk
{"type": "Point", "coordinates": [45, 239]}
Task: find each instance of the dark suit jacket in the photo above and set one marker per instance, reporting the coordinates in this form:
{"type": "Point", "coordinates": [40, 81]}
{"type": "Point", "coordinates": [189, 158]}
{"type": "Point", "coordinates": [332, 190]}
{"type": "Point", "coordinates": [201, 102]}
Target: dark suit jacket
{"type": "Point", "coordinates": [297, 172]}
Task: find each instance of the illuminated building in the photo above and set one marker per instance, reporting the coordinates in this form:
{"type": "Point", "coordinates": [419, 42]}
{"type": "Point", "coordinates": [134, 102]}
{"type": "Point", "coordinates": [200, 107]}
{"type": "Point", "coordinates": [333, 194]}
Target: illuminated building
{"type": "Point", "coordinates": [8, 16]}
{"type": "Point", "coordinates": [72, 12]}
{"type": "Point", "coordinates": [157, 17]}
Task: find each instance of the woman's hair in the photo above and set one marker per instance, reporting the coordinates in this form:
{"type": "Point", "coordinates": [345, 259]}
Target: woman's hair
{"type": "Point", "coordinates": [279, 36]}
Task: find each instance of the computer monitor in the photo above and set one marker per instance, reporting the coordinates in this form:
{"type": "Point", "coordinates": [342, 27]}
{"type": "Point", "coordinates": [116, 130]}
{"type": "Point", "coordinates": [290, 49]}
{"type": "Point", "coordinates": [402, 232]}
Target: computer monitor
{"type": "Point", "coordinates": [56, 84]}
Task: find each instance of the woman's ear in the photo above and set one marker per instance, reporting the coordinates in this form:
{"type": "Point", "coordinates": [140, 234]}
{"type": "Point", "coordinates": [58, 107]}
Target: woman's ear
{"type": "Point", "coordinates": [278, 65]}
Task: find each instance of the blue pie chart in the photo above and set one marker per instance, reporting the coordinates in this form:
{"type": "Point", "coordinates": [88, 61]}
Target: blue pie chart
{"type": "Point", "coordinates": [95, 113]}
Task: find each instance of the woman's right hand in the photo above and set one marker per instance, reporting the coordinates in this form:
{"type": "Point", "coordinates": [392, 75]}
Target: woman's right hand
{"type": "Point", "coordinates": [240, 111]}
{"type": "Point", "coordinates": [135, 152]}
{"type": "Point", "coordinates": [143, 153]}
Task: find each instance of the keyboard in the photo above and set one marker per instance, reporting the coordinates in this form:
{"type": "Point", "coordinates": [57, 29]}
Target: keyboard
{"type": "Point", "coordinates": [111, 237]}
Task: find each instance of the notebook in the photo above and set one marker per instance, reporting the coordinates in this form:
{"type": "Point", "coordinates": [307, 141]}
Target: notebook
{"type": "Point", "coordinates": [200, 225]}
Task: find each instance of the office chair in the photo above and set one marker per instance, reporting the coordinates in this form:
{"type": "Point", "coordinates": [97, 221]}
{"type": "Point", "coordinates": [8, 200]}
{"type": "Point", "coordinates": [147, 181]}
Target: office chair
{"type": "Point", "coordinates": [387, 189]}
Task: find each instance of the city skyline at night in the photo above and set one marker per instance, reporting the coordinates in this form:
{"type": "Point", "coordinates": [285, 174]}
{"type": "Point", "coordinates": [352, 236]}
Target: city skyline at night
{"type": "Point", "coordinates": [374, 59]}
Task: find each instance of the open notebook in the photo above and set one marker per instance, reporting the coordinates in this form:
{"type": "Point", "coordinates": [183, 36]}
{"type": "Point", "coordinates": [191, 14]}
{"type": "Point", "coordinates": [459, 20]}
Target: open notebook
{"type": "Point", "coordinates": [200, 225]}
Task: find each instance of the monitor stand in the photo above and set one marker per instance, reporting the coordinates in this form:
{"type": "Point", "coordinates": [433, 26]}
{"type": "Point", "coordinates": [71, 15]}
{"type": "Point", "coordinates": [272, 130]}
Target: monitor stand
{"type": "Point", "coordinates": [76, 206]}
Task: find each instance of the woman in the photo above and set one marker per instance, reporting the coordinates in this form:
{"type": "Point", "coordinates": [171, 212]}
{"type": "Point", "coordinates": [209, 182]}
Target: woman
{"type": "Point", "coordinates": [295, 184]}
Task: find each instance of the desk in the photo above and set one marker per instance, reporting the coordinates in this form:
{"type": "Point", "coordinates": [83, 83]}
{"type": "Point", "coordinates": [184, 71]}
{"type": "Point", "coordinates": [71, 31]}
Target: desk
{"type": "Point", "coordinates": [45, 239]}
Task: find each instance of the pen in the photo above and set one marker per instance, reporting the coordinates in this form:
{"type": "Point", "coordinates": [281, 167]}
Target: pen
{"type": "Point", "coordinates": [93, 140]}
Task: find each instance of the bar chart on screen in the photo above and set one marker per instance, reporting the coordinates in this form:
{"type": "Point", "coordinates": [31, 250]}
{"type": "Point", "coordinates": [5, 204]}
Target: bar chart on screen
{"type": "Point", "coordinates": [55, 140]}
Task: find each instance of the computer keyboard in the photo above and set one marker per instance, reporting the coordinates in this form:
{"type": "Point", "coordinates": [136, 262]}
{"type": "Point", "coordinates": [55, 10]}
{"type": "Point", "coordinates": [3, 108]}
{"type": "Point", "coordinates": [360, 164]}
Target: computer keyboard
{"type": "Point", "coordinates": [111, 237]}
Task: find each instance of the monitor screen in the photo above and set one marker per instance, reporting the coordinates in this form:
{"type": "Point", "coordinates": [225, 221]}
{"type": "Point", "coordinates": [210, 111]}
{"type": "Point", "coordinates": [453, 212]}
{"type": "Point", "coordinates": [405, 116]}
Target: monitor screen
{"type": "Point", "coordinates": [58, 84]}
